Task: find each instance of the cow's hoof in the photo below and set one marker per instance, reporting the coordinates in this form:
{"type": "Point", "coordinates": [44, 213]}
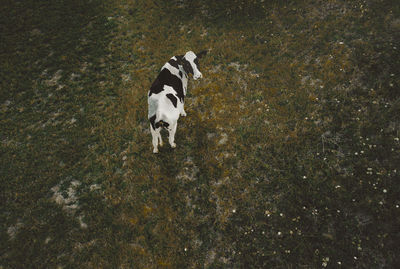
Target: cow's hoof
{"type": "Point", "coordinates": [173, 145]}
{"type": "Point", "coordinates": [155, 150]}
{"type": "Point", "coordinates": [183, 114]}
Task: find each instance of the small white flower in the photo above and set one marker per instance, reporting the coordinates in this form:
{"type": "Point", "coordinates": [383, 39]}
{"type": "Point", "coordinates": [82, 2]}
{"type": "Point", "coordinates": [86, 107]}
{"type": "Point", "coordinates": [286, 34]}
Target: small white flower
{"type": "Point", "coordinates": [339, 263]}
{"type": "Point", "coordinates": [384, 191]}
{"type": "Point", "coordinates": [279, 233]}
{"type": "Point", "coordinates": [337, 186]}
{"type": "Point", "coordinates": [304, 177]}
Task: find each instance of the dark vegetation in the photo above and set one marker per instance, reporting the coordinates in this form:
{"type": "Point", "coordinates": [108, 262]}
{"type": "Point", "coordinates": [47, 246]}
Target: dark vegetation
{"type": "Point", "coordinates": [288, 158]}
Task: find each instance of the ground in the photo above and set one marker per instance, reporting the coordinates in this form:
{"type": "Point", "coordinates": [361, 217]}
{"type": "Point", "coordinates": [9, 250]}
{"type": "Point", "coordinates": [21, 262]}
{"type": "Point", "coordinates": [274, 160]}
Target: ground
{"type": "Point", "coordinates": [288, 158]}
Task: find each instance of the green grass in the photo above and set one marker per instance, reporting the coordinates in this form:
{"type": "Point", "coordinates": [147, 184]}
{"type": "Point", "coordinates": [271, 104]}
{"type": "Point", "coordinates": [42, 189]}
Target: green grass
{"type": "Point", "coordinates": [288, 157]}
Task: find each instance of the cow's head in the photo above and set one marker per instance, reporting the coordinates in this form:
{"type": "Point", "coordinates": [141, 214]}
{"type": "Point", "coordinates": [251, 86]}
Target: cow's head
{"type": "Point", "coordinates": [190, 63]}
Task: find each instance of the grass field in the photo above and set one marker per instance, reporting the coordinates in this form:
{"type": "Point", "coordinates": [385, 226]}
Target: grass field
{"type": "Point", "coordinates": [288, 158]}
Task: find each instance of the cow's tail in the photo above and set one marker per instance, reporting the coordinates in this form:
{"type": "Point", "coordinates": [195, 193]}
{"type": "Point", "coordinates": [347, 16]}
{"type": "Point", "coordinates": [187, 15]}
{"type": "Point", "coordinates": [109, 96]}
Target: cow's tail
{"type": "Point", "coordinates": [162, 123]}
{"type": "Point", "coordinates": [159, 122]}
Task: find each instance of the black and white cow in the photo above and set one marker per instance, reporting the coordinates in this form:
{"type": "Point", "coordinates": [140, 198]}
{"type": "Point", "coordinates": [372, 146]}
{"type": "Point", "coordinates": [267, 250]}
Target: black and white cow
{"type": "Point", "coordinates": [167, 94]}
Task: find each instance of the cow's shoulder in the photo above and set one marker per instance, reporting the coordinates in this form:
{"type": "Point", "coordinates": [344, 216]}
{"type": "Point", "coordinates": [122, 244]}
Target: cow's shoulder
{"type": "Point", "coordinates": [171, 76]}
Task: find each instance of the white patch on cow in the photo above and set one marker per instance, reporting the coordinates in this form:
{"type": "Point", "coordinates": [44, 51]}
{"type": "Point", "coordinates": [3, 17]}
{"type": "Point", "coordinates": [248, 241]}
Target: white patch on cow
{"type": "Point", "coordinates": [153, 105]}
{"type": "Point", "coordinates": [174, 71]}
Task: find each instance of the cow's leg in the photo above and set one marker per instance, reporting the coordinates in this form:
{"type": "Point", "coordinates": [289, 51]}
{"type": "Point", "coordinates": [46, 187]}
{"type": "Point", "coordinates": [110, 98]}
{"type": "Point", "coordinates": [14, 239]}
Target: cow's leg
{"type": "Point", "coordinates": [172, 131]}
{"type": "Point", "coordinates": [183, 113]}
{"type": "Point", "coordinates": [160, 138]}
{"type": "Point", "coordinates": [182, 108]}
{"type": "Point", "coordinates": [155, 135]}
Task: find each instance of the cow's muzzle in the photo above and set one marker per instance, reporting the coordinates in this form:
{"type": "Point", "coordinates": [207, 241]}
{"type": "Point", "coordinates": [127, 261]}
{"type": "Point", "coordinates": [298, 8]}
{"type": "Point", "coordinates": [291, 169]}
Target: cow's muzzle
{"type": "Point", "coordinates": [198, 76]}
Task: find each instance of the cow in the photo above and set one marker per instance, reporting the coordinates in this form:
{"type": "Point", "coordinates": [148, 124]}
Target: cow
{"type": "Point", "coordinates": [167, 95]}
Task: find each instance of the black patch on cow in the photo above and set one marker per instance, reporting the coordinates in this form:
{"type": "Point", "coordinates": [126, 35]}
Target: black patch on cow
{"type": "Point", "coordinates": [180, 73]}
{"type": "Point", "coordinates": [172, 98]}
{"type": "Point", "coordinates": [196, 62]}
{"type": "Point", "coordinates": [152, 122]}
{"type": "Point", "coordinates": [187, 66]}
{"type": "Point", "coordinates": [174, 63]}
{"type": "Point", "coordinates": [156, 87]}
{"type": "Point", "coordinates": [162, 123]}
{"type": "Point", "coordinates": [167, 78]}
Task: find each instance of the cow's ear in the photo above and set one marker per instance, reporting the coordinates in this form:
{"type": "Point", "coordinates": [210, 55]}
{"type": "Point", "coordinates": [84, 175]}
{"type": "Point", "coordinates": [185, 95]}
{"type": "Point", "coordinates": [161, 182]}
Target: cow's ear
{"type": "Point", "coordinates": [201, 54]}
